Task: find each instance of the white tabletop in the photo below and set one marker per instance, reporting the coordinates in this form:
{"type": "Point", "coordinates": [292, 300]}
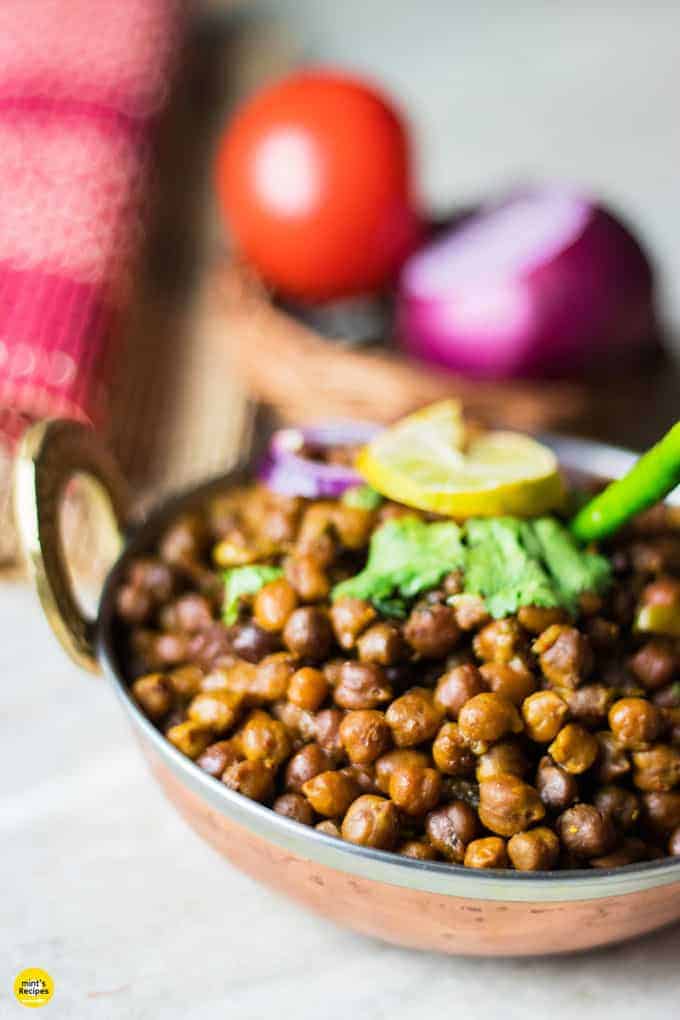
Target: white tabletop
{"type": "Point", "coordinates": [106, 888]}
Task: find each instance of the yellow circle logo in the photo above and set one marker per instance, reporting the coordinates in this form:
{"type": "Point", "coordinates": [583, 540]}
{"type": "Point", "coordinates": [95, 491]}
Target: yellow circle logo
{"type": "Point", "coordinates": [33, 987]}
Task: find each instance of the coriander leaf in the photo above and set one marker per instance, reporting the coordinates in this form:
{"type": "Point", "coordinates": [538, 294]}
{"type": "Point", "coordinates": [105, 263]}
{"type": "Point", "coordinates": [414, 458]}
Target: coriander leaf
{"type": "Point", "coordinates": [240, 581]}
{"type": "Point", "coordinates": [573, 571]}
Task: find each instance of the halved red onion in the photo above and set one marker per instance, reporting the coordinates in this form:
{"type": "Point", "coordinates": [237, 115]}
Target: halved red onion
{"type": "Point", "coordinates": [543, 284]}
{"type": "Point", "coordinates": [287, 470]}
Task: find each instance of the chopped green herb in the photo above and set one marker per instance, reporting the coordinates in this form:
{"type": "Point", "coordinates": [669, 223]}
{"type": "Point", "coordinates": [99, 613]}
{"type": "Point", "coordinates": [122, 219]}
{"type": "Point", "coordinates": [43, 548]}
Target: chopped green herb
{"type": "Point", "coordinates": [573, 570]}
{"type": "Point", "coordinates": [240, 581]}
{"type": "Point", "coordinates": [406, 556]}
{"type": "Point", "coordinates": [363, 497]}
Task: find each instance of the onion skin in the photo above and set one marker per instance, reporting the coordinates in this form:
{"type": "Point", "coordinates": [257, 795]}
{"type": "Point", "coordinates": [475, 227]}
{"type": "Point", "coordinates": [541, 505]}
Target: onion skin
{"type": "Point", "coordinates": [588, 304]}
{"type": "Point", "coordinates": [291, 473]}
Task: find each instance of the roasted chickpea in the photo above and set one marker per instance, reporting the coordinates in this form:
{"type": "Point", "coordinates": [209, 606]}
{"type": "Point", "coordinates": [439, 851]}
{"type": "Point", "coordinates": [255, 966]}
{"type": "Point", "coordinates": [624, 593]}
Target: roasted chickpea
{"type": "Point", "coordinates": [365, 735]}
{"type": "Point", "coordinates": [635, 723]}
{"type": "Point", "coordinates": [272, 677]}
{"type": "Point", "coordinates": [327, 723]}
{"type": "Point", "coordinates": [306, 763]}
{"type": "Point", "coordinates": [487, 718]}
{"type": "Point", "coordinates": [414, 789]}
{"type": "Point", "coordinates": [308, 633]}
{"type": "Point", "coordinates": [134, 605]}
{"type": "Point", "coordinates": [190, 737]}
{"type": "Point", "coordinates": [565, 655]}
{"type": "Point", "coordinates": [469, 611]}
{"type": "Point", "coordinates": [613, 762]}
{"type": "Point", "coordinates": [251, 642]}
{"type": "Point", "coordinates": [535, 850]}
{"type": "Point", "coordinates": [154, 694]}
{"type": "Point", "coordinates": [265, 739]}
{"type": "Point", "coordinates": [371, 821]}
{"type": "Point", "coordinates": [543, 714]}
{"type": "Point", "coordinates": [590, 705]}
{"type": "Point", "coordinates": [362, 685]}
{"type": "Point", "coordinates": [253, 779]}
{"type": "Point", "coordinates": [413, 718]}
{"type": "Point", "coordinates": [661, 810]}
{"type": "Point", "coordinates": [654, 664]}
{"type": "Point", "coordinates": [217, 757]}
{"type": "Point", "coordinates": [331, 793]}
{"type": "Point", "coordinates": [499, 641]}
{"type": "Point", "coordinates": [512, 680]}
{"type": "Point", "coordinates": [294, 805]}
{"type": "Point", "coordinates": [456, 687]}
{"type": "Point", "coordinates": [387, 763]}
{"type": "Point", "coordinates": [507, 805]}
{"type": "Point", "coordinates": [184, 541]}
{"type": "Point", "coordinates": [350, 617]}
{"type": "Point", "coordinates": [308, 688]}
{"type": "Point", "coordinates": [557, 789]}
{"type": "Point", "coordinates": [504, 758]}
{"type": "Point", "coordinates": [170, 649]}
{"type": "Point", "coordinates": [329, 828]}
{"type": "Point", "coordinates": [536, 619]}
{"type": "Point", "coordinates": [363, 776]}
{"type": "Point", "coordinates": [630, 851]}
{"type": "Point", "coordinates": [274, 603]}
{"type": "Point", "coordinates": [451, 828]}
{"type": "Point", "coordinates": [658, 769]}
{"type": "Point", "coordinates": [489, 852]}
{"type": "Point", "coordinates": [353, 525]}
{"type": "Point", "coordinates": [451, 753]}
{"type": "Point", "coordinates": [432, 631]}
{"type": "Point", "coordinates": [189, 613]}
{"type": "Point", "coordinates": [153, 577]}
{"type": "Point", "coordinates": [315, 537]}
{"type": "Point", "coordinates": [216, 710]}
{"type": "Point", "coordinates": [585, 832]}
{"type": "Point", "coordinates": [382, 643]}
{"type": "Point", "coordinates": [308, 578]}
{"type": "Point", "coordinates": [621, 806]}
{"type": "Point", "coordinates": [419, 851]}
{"type": "Point", "coordinates": [186, 681]}
{"type": "Point", "coordinates": [574, 748]}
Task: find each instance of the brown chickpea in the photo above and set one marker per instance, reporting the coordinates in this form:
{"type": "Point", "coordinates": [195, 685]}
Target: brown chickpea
{"type": "Point", "coordinates": [414, 789]}
{"type": "Point", "coordinates": [308, 688]}
{"type": "Point", "coordinates": [252, 643]}
{"type": "Point", "coordinates": [210, 647]}
{"type": "Point", "coordinates": [300, 725]}
{"type": "Point", "coordinates": [190, 738]}
{"type": "Point", "coordinates": [265, 739]}
{"type": "Point", "coordinates": [489, 852]}
{"type": "Point", "coordinates": [621, 806]}
{"type": "Point", "coordinates": [308, 633]}
{"type": "Point", "coordinates": [671, 725]}
{"type": "Point", "coordinates": [543, 713]}
{"type": "Point", "coordinates": [661, 810]}
{"type": "Point", "coordinates": [362, 685]}
{"type": "Point", "coordinates": [674, 843]}
{"type": "Point", "coordinates": [413, 718]}
{"type": "Point", "coordinates": [183, 542]}
{"type": "Point", "coordinates": [536, 619]}
{"type": "Point", "coordinates": [365, 735]}
{"type": "Point", "coordinates": [189, 613]}
{"type": "Point", "coordinates": [585, 832]}
{"type": "Point", "coordinates": [564, 654]}
{"type": "Point", "coordinates": [418, 851]}
{"type": "Point", "coordinates": [217, 757]}
{"type": "Point", "coordinates": [332, 670]}
{"type": "Point", "coordinates": [154, 694]}
{"type": "Point", "coordinates": [512, 680]}
{"type": "Point", "coordinates": [508, 805]}
{"type": "Point", "coordinates": [635, 723]}
{"type": "Point", "coordinates": [590, 705]}
{"type": "Point", "coordinates": [630, 851]}
{"type": "Point", "coordinates": [331, 793]}
{"type": "Point", "coordinates": [382, 643]}
{"type": "Point", "coordinates": [469, 611]}
{"type": "Point", "coordinates": [363, 776]}
{"type": "Point", "coordinates": [327, 723]}
{"type": "Point", "coordinates": [371, 821]}
{"type": "Point", "coordinates": [353, 525]}
{"type": "Point", "coordinates": [216, 710]}
{"type": "Point", "coordinates": [613, 762]}
{"type": "Point", "coordinates": [350, 617]}
{"type": "Point", "coordinates": [308, 578]}
{"type": "Point", "coordinates": [306, 763]}
{"type": "Point", "coordinates": [272, 676]}
{"type": "Point", "coordinates": [557, 789]}
{"type": "Point", "coordinates": [274, 603]}
{"type": "Point", "coordinates": [504, 758]}
{"type": "Point", "coordinates": [499, 641]}
{"type": "Point", "coordinates": [153, 577]}
{"type": "Point", "coordinates": [432, 631]}
{"type": "Point", "coordinates": [456, 687]}
{"type": "Point", "coordinates": [294, 805]}
{"type": "Point", "coordinates": [535, 850]}
{"type": "Point", "coordinates": [186, 681]}
{"type": "Point", "coordinates": [134, 605]}
{"type": "Point", "coordinates": [329, 828]}
{"type": "Point", "coordinates": [452, 755]}
{"type": "Point", "coordinates": [574, 748]}
{"type": "Point", "coordinates": [658, 769]}
{"type": "Point", "coordinates": [253, 779]}
{"type": "Point", "coordinates": [387, 763]}
{"type": "Point", "coordinates": [451, 828]}
{"type": "Point", "coordinates": [654, 664]}
{"type": "Point", "coordinates": [170, 649]}
{"type": "Point", "coordinates": [487, 718]}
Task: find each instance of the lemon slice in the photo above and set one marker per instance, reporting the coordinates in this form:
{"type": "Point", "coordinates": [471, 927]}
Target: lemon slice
{"type": "Point", "coordinates": [421, 462]}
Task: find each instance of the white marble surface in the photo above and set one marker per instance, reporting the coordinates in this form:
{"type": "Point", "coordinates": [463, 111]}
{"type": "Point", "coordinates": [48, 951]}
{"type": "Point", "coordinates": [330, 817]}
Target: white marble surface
{"type": "Point", "coordinates": [105, 887]}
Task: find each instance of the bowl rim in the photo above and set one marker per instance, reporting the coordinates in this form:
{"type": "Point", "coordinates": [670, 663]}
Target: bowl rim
{"type": "Point", "coordinates": [603, 461]}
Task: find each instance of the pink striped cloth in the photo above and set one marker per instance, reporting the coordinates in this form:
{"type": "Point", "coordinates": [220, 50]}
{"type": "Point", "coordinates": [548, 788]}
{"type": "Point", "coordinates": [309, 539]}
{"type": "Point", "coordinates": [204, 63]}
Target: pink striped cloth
{"type": "Point", "coordinates": [80, 81]}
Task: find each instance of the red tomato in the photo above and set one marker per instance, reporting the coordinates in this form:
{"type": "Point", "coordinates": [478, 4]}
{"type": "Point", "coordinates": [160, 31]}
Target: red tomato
{"type": "Point", "coordinates": [313, 176]}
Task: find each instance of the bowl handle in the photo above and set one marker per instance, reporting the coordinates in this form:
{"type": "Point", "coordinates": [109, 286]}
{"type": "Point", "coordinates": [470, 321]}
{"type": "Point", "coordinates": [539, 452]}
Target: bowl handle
{"type": "Point", "coordinates": [50, 454]}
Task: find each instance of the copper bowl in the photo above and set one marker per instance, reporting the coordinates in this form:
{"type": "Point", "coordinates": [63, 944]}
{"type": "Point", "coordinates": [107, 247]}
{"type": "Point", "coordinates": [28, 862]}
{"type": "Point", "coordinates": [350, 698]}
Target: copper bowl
{"type": "Point", "coordinates": [413, 903]}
